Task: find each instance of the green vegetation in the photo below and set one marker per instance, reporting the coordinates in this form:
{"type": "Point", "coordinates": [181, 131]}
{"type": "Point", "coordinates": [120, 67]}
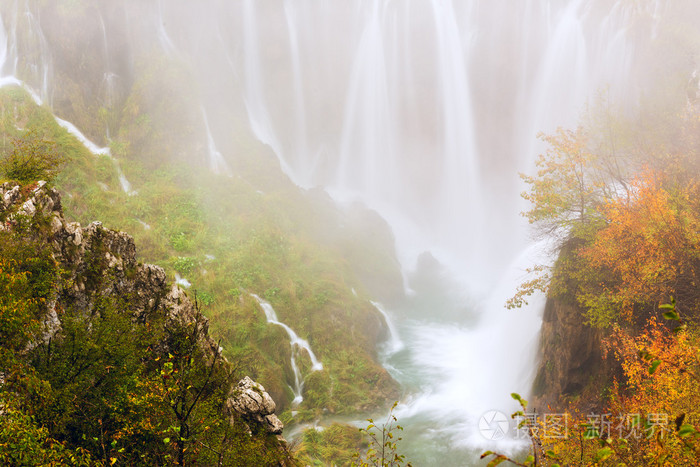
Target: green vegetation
{"type": "Point", "coordinates": [230, 236]}
{"type": "Point", "coordinates": [87, 377]}
{"type": "Point", "coordinates": [31, 158]}
{"type": "Point", "coordinates": [337, 444]}
{"type": "Point", "coordinates": [229, 239]}
{"type": "Point", "coordinates": [340, 444]}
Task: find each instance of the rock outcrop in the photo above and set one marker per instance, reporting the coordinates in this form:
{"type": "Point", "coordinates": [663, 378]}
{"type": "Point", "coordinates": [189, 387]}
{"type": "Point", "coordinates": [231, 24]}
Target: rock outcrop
{"type": "Point", "coordinates": [96, 261]}
{"type": "Point", "coordinates": [251, 402]}
{"type": "Point", "coordinates": [572, 366]}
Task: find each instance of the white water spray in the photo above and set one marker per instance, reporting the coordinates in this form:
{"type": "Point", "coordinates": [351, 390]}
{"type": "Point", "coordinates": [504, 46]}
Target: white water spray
{"type": "Point", "coordinates": [435, 106]}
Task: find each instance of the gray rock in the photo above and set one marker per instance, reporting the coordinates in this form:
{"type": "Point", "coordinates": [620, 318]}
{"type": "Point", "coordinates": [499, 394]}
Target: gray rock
{"type": "Point", "coordinates": [10, 195]}
{"type": "Point", "coordinates": [250, 400]}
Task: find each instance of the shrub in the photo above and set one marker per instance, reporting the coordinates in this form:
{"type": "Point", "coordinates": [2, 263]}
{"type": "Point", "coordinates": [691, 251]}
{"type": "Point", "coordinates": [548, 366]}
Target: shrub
{"type": "Point", "coordinates": [32, 158]}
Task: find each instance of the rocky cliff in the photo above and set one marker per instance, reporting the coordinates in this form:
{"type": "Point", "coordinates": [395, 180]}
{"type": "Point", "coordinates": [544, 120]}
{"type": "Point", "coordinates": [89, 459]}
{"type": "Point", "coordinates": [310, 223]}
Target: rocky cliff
{"type": "Point", "coordinates": [96, 262]}
{"type": "Point", "coordinates": [572, 368]}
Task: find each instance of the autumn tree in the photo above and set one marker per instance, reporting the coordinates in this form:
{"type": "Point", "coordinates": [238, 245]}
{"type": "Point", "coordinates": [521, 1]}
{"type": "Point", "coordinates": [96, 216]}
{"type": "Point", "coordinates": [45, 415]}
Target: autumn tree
{"type": "Point", "coordinates": [648, 250]}
{"type": "Point", "coordinates": [652, 416]}
{"type": "Point", "coordinates": [571, 182]}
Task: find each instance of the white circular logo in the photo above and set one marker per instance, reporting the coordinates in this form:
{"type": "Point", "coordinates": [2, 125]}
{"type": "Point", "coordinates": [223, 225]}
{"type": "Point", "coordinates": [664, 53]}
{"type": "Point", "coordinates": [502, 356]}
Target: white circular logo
{"type": "Point", "coordinates": [494, 425]}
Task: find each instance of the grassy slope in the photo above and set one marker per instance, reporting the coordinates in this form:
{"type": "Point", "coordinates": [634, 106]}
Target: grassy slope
{"type": "Point", "coordinates": [231, 236]}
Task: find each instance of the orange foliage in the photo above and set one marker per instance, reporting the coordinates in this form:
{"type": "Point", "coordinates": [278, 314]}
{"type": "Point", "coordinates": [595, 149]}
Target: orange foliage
{"type": "Point", "coordinates": [648, 250]}
{"type": "Point", "coordinates": [652, 418]}
{"type": "Point", "coordinates": [673, 386]}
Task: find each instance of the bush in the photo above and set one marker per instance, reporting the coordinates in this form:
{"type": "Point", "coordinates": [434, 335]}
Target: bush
{"type": "Point", "coordinates": [32, 158]}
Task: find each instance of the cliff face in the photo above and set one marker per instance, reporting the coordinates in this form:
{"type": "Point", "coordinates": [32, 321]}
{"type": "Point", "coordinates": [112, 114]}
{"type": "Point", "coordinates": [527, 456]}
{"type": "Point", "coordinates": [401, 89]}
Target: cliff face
{"type": "Point", "coordinates": [97, 263]}
{"type": "Point", "coordinates": [572, 367]}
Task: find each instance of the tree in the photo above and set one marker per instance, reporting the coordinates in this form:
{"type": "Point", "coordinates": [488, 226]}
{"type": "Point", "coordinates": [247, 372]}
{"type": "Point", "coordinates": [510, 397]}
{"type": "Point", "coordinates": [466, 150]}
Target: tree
{"type": "Point", "coordinates": [24, 442]}
{"type": "Point", "coordinates": [569, 185]}
{"type": "Point", "coordinates": [571, 182]}
{"type": "Point", "coordinates": [648, 249]}
{"type": "Point", "coordinates": [650, 416]}
{"type": "Point", "coordinates": [189, 376]}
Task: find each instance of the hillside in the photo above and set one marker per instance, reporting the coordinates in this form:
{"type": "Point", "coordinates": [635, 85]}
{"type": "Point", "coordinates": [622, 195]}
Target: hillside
{"type": "Point", "coordinates": [103, 361]}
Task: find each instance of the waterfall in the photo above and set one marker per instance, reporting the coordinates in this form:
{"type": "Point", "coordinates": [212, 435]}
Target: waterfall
{"type": "Point", "coordinates": [3, 48]}
{"type": "Point", "coordinates": [73, 130]}
{"type": "Point", "coordinates": [403, 83]}
{"type": "Point", "coordinates": [217, 163]}
{"type": "Point", "coordinates": [96, 150]}
{"type": "Point", "coordinates": [9, 43]}
{"type": "Point", "coordinates": [423, 110]}
{"type": "Point", "coordinates": [393, 341]}
{"type": "Point", "coordinates": [298, 345]}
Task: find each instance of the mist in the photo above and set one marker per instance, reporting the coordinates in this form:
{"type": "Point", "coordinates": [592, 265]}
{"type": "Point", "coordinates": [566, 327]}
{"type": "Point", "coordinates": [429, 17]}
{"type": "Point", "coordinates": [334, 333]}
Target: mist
{"type": "Point", "coordinates": [424, 112]}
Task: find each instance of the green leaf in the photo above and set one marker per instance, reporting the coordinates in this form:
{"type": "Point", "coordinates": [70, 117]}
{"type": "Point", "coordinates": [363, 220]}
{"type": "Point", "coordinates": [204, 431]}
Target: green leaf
{"type": "Point", "coordinates": [166, 440]}
{"type": "Point", "coordinates": [501, 458]}
{"type": "Point", "coordinates": [654, 365]}
{"type": "Point", "coordinates": [518, 398]}
{"type": "Point", "coordinates": [687, 430]}
{"type": "Point", "coordinates": [671, 315]}
{"type": "Point", "coordinates": [603, 454]}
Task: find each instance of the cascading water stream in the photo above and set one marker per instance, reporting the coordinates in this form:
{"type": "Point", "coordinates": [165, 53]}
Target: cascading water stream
{"type": "Point", "coordinates": [217, 163]}
{"type": "Point", "coordinates": [7, 44]}
{"type": "Point", "coordinates": [424, 110]}
{"type": "Point", "coordinates": [393, 340]}
{"type": "Point", "coordinates": [298, 345]}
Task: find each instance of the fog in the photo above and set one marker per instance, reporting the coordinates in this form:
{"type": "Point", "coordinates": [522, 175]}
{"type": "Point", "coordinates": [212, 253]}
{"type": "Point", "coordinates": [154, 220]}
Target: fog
{"type": "Point", "coordinates": [423, 110]}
